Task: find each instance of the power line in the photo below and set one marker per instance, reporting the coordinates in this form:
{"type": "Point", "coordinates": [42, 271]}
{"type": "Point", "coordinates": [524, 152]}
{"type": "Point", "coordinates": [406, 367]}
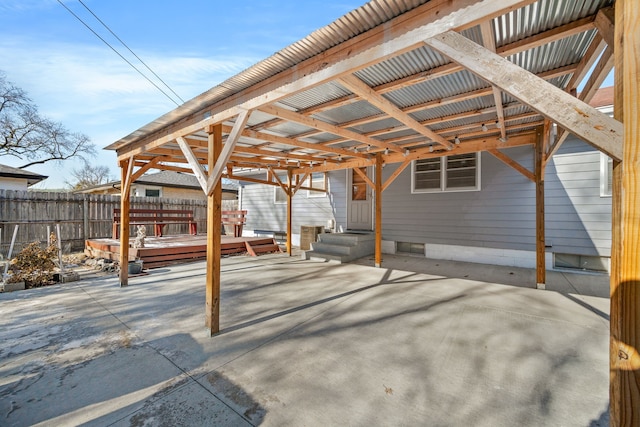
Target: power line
{"type": "Point", "coordinates": [118, 53]}
{"type": "Point", "coordinates": [129, 49]}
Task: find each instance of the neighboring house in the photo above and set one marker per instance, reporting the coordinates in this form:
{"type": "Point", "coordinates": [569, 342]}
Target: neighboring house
{"type": "Point", "coordinates": [165, 184]}
{"type": "Point", "coordinates": [18, 179]}
{"type": "Point", "coordinates": [468, 207]}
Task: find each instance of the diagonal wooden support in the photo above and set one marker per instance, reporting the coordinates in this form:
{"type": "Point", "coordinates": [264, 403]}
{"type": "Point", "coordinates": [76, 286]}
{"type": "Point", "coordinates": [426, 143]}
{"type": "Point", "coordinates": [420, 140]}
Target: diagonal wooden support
{"type": "Point", "coordinates": [576, 116]}
{"type": "Point", "coordinates": [515, 165]}
{"type": "Point", "coordinates": [360, 88]}
{"type": "Point", "coordinates": [232, 139]}
{"type": "Point", "coordinates": [196, 167]}
{"type": "Point", "coordinates": [364, 176]}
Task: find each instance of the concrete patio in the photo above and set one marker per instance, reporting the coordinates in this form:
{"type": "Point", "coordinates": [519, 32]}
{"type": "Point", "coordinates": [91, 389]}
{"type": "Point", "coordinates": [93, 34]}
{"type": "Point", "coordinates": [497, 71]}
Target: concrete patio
{"type": "Point", "coordinates": [418, 342]}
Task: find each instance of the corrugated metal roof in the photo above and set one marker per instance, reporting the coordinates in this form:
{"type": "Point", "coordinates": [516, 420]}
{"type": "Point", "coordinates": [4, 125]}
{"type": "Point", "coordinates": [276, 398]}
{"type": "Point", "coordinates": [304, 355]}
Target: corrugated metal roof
{"type": "Point", "coordinates": [444, 97]}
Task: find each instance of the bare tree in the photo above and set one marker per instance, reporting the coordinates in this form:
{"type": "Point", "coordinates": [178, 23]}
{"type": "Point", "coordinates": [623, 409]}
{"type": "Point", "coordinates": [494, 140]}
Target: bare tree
{"type": "Point", "coordinates": [32, 138]}
{"type": "Point", "coordinates": [89, 176]}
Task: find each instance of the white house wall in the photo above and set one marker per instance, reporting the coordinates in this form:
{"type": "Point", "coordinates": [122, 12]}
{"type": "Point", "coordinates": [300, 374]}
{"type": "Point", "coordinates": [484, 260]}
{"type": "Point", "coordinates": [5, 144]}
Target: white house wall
{"type": "Point", "coordinates": [15, 184]}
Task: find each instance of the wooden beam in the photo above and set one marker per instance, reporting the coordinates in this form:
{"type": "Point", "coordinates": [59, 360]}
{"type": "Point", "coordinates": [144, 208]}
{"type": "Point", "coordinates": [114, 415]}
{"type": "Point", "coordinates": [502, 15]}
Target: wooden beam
{"type": "Point", "coordinates": [605, 24]}
{"type": "Point", "coordinates": [289, 213]}
{"type": "Point", "coordinates": [489, 41]}
{"type": "Point", "coordinates": [126, 168]}
{"type": "Point", "coordinates": [540, 230]}
{"type": "Point", "coordinates": [214, 231]}
{"type": "Point", "coordinates": [366, 179]}
{"type": "Point", "coordinates": [625, 251]}
{"type": "Point", "coordinates": [153, 162]}
{"type": "Point", "coordinates": [326, 127]}
{"type": "Point", "coordinates": [378, 208]}
{"type": "Point", "coordinates": [586, 122]}
{"type": "Point", "coordinates": [225, 154]}
{"type": "Point", "coordinates": [588, 60]}
{"type": "Point", "coordinates": [515, 165]}
{"type": "Point", "coordinates": [549, 36]}
{"type": "Point", "coordinates": [196, 168]}
{"type": "Point", "coordinates": [600, 73]}
{"type": "Point", "coordinates": [357, 86]}
{"type": "Point", "coordinates": [396, 173]}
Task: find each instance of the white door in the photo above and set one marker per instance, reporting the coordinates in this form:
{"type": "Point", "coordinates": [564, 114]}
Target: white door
{"type": "Point", "coordinates": [359, 202]}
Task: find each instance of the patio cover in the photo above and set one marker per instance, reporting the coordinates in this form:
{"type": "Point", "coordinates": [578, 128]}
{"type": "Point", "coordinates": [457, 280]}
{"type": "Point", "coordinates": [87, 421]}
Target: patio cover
{"type": "Point", "coordinates": [396, 81]}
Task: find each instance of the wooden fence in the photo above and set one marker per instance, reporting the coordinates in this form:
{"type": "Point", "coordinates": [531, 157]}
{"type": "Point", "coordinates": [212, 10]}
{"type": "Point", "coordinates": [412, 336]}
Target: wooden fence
{"type": "Point", "coordinates": [80, 216]}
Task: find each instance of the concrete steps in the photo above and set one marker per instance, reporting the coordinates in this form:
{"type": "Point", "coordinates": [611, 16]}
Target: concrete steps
{"type": "Point", "coordinates": [341, 247]}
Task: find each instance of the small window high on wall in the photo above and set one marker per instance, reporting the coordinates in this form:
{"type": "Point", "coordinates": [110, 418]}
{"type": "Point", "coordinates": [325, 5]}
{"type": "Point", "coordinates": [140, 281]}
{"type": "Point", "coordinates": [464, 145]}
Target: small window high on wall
{"type": "Point", "coordinates": [450, 173]}
{"type": "Point", "coordinates": [606, 175]}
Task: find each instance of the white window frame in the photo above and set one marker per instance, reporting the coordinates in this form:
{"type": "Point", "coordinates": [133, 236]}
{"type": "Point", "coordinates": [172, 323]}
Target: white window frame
{"type": "Point", "coordinates": [443, 178]}
{"type": "Point", "coordinates": [606, 165]}
{"type": "Point", "coordinates": [278, 190]}
{"type": "Point", "coordinates": [313, 194]}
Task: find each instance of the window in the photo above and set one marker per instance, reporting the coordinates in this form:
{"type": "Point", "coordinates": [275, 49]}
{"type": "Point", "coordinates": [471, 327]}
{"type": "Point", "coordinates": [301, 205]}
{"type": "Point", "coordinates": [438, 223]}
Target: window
{"type": "Point", "coordinates": [316, 180]}
{"type": "Point", "coordinates": [149, 192]}
{"type": "Point", "coordinates": [450, 173]}
{"type": "Point", "coordinates": [280, 197]}
{"type": "Point", "coordinates": [606, 175]}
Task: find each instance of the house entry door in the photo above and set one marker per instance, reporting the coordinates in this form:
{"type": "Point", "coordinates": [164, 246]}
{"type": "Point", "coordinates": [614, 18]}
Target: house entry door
{"type": "Point", "coordinates": [359, 202]}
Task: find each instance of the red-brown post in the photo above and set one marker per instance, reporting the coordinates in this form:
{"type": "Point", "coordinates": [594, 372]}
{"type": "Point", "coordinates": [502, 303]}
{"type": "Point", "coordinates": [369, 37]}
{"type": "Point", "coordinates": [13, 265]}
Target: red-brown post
{"type": "Point", "coordinates": [125, 203]}
{"type": "Point", "coordinates": [214, 232]}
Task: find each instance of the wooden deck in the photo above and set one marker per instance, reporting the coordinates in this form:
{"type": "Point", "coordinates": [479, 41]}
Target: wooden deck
{"type": "Point", "coordinates": [165, 250]}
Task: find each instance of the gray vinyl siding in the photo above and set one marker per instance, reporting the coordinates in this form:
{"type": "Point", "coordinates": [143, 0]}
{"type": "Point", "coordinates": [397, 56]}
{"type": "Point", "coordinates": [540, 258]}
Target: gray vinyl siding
{"type": "Point", "coordinates": [500, 215]}
{"type": "Point", "coordinates": [264, 214]}
{"type": "Point", "coordinates": [578, 220]}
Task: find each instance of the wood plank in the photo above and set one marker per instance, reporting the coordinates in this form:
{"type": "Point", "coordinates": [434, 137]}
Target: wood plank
{"type": "Point", "coordinates": [327, 127]}
{"type": "Point", "coordinates": [512, 163]}
{"type": "Point", "coordinates": [378, 208]}
{"type": "Point", "coordinates": [126, 169]}
{"type": "Point", "coordinates": [214, 230]}
{"type": "Point", "coordinates": [586, 122]}
{"type": "Point", "coordinates": [605, 24]}
{"type": "Point", "coordinates": [227, 150]}
{"type": "Point", "coordinates": [489, 41]}
{"type": "Point", "coordinates": [357, 86]}
{"type": "Point", "coordinates": [364, 176]}
{"type": "Point", "coordinates": [624, 352]}
{"type": "Point", "coordinates": [540, 229]}
{"type": "Point", "coordinates": [289, 213]}
{"type": "Point", "coordinates": [193, 161]}
{"type": "Point", "coordinates": [396, 174]}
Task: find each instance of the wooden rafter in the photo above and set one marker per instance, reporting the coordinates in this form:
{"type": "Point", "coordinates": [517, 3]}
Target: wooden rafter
{"type": "Point", "coordinates": [360, 88]}
{"type": "Point", "coordinates": [512, 163]}
{"type": "Point", "coordinates": [572, 114]}
{"type": "Point", "coordinates": [545, 37]}
{"type": "Point", "coordinates": [489, 41]}
{"type": "Point", "coordinates": [326, 127]}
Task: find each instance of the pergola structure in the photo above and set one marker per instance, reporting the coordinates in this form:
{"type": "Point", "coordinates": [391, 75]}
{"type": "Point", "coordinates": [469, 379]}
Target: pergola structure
{"type": "Point", "coordinates": [398, 80]}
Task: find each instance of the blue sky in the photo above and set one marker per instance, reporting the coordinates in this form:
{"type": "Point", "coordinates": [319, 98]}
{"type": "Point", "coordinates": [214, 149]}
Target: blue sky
{"type": "Point", "coordinates": [75, 79]}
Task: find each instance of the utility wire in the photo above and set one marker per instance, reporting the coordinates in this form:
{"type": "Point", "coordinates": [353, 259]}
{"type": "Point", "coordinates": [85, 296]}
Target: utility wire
{"type": "Point", "coordinates": [129, 49]}
{"type": "Point", "coordinates": [118, 53]}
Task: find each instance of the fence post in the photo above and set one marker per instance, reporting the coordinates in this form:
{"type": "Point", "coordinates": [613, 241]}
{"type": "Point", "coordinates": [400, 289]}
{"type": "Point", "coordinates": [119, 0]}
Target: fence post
{"type": "Point", "coordinates": [85, 217]}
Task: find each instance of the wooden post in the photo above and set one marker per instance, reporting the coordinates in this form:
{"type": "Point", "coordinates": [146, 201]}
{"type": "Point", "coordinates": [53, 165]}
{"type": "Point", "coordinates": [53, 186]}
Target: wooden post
{"type": "Point", "coordinates": [624, 387]}
{"type": "Point", "coordinates": [214, 232]}
{"type": "Point", "coordinates": [378, 201]}
{"type": "Point", "coordinates": [126, 167]}
{"type": "Point", "coordinates": [539, 175]}
{"type": "Point", "coordinates": [289, 210]}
